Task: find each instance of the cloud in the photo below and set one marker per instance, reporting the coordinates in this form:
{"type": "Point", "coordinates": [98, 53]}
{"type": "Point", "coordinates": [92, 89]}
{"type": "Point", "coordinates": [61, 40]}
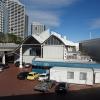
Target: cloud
{"type": "Point", "coordinates": [50, 3]}
{"type": "Point", "coordinates": [95, 23]}
{"type": "Point", "coordinates": [47, 18]}
{"type": "Point", "coordinates": [46, 11]}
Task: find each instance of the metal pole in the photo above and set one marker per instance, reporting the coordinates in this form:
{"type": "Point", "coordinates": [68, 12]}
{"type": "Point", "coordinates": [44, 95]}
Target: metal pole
{"type": "Point", "coordinates": [3, 59]}
{"type": "Point", "coordinates": [90, 35]}
{"type": "Point", "coordinates": [21, 58]}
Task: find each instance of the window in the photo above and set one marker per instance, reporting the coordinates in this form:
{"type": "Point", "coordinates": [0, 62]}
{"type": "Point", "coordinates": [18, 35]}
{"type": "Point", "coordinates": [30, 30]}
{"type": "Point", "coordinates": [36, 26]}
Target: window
{"type": "Point", "coordinates": [83, 76]}
{"type": "Point", "coordinates": [35, 52]}
{"type": "Point", "coordinates": [70, 75]}
{"type": "Point", "coordinates": [53, 41]}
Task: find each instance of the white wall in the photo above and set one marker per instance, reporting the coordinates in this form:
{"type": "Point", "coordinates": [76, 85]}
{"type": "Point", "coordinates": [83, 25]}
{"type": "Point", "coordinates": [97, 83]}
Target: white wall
{"type": "Point", "coordinates": [77, 46]}
{"type": "Point", "coordinates": [27, 52]}
{"type": "Point", "coordinates": [60, 75]}
{"type": "Point", "coordinates": [53, 52]}
{"type": "Point", "coordinates": [28, 59]}
{"type": "Point", "coordinates": [97, 75]}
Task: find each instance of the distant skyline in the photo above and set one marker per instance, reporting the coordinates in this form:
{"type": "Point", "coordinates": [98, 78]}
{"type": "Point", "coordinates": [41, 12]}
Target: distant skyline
{"type": "Point", "coordinates": [73, 18]}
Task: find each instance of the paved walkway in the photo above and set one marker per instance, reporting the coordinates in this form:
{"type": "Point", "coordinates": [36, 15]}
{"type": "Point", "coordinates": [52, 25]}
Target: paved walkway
{"type": "Point", "coordinates": [10, 85]}
{"type": "Point", "coordinates": [13, 89]}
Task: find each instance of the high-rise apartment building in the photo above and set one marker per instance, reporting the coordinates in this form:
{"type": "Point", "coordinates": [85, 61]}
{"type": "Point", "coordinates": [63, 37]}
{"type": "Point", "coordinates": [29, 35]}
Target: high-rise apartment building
{"type": "Point", "coordinates": [3, 18]}
{"type": "Point", "coordinates": [37, 28]}
{"type": "Point", "coordinates": [18, 24]}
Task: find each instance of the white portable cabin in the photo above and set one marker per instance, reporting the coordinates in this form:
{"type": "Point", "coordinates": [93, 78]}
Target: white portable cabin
{"type": "Point", "coordinates": [97, 75]}
{"type": "Point", "coordinates": [72, 75]}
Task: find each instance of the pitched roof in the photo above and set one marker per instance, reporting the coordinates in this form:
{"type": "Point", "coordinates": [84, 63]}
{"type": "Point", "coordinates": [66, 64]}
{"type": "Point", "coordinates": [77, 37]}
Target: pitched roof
{"type": "Point", "coordinates": [42, 37]}
{"type": "Point", "coordinates": [46, 34]}
{"type": "Point", "coordinates": [63, 39]}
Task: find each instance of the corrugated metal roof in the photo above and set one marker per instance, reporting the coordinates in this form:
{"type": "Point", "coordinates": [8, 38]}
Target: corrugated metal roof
{"type": "Point", "coordinates": [42, 37]}
{"type": "Point", "coordinates": [63, 39]}
{"type": "Point", "coordinates": [66, 64]}
{"type": "Point", "coordinates": [46, 34]}
{"type": "Point", "coordinates": [71, 69]}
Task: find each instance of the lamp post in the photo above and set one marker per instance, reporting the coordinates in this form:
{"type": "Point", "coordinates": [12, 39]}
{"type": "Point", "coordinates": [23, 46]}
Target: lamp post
{"type": "Point", "coordinates": [3, 59]}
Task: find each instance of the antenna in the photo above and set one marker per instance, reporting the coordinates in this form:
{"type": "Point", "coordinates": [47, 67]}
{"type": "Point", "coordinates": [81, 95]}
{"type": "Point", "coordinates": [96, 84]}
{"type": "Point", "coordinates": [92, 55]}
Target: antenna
{"type": "Point", "coordinates": [90, 35]}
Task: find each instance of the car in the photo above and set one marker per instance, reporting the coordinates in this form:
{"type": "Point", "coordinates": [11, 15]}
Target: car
{"type": "Point", "coordinates": [17, 63]}
{"type": "Point", "coordinates": [61, 88]}
{"type": "Point", "coordinates": [42, 87]}
{"type": "Point", "coordinates": [1, 69]}
{"type": "Point", "coordinates": [27, 65]}
{"type": "Point", "coordinates": [3, 66]}
{"type": "Point", "coordinates": [22, 75]}
{"type": "Point", "coordinates": [32, 76]}
{"type": "Point", "coordinates": [50, 83]}
{"type": "Point", "coordinates": [43, 76]}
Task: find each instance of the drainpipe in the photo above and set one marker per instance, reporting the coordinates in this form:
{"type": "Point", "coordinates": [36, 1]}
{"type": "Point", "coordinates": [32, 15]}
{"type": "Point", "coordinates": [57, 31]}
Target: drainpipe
{"type": "Point", "coordinates": [21, 58]}
{"type": "Point", "coordinates": [93, 76]}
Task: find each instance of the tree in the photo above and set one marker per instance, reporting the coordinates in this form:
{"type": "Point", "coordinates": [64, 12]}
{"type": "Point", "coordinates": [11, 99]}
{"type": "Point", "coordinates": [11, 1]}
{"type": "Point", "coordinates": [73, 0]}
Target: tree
{"type": "Point", "coordinates": [10, 38]}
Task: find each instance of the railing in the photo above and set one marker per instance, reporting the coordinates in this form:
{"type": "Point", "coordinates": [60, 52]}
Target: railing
{"type": "Point", "coordinates": [8, 45]}
{"type": "Point", "coordinates": [78, 58]}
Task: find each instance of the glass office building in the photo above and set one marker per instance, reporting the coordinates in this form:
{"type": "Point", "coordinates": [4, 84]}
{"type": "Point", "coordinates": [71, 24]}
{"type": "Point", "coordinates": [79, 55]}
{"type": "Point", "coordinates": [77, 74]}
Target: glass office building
{"type": "Point", "coordinates": [3, 18]}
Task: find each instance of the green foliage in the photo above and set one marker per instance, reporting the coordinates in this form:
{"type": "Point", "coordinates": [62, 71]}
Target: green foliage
{"type": "Point", "coordinates": [10, 38]}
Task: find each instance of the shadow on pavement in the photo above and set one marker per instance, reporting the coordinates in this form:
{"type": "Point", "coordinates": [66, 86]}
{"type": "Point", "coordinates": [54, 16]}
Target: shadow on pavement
{"type": "Point", "coordinates": [86, 94]}
{"type": "Point", "coordinates": [41, 96]}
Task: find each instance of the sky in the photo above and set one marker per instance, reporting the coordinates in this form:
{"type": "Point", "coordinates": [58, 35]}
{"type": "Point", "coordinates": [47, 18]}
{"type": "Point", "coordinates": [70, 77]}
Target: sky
{"type": "Point", "coordinates": [76, 19]}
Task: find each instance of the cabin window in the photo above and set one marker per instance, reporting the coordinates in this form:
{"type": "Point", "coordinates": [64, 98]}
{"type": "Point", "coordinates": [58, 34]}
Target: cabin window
{"type": "Point", "coordinates": [70, 75]}
{"type": "Point", "coordinates": [83, 76]}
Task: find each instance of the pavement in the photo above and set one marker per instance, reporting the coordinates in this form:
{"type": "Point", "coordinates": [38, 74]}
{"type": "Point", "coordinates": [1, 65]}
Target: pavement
{"type": "Point", "coordinates": [12, 88]}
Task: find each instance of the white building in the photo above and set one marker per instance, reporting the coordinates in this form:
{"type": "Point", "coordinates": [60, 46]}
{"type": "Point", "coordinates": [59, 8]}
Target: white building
{"type": "Point", "coordinates": [48, 46]}
{"type": "Point", "coordinates": [72, 75]}
{"type": "Point", "coordinates": [17, 18]}
{"type": "Point", "coordinates": [37, 28]}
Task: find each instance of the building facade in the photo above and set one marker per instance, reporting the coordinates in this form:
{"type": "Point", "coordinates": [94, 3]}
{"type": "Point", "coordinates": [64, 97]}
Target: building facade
{"type": "Point", "coordinates": [37, 28]}
{"type": "Point", "coordinates": [91, 47]}
{"type": "Point", "coordinates": [3, 18]}
{"type": "Point", "coordinates": [48, 46]}
{"type": "Point", "coordinates": [72, 75]}
{"type": "Point", "coordinates": [17, 18]}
